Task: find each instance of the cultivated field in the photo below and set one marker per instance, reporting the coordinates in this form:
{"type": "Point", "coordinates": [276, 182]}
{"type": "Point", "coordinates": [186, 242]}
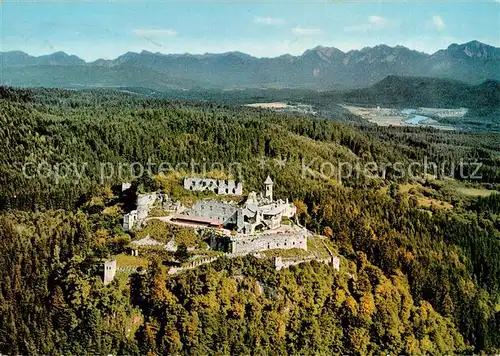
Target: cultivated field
{"type": "Point", "coordinates": [276, 105]}
{"type": "Point", "coordinates": [475, 192]}
{"type": "Point", "coordinates": [407, 117]}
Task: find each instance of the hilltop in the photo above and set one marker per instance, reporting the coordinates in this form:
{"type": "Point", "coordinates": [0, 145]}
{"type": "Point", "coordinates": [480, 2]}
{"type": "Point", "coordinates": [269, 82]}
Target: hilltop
{"type": "Point", "coordinates": [429, 92]}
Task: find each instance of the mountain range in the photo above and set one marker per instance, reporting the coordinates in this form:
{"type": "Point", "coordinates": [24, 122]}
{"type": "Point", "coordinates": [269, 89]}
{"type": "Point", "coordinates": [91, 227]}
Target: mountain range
{"type": "Point", "coordinates": [320, 68]}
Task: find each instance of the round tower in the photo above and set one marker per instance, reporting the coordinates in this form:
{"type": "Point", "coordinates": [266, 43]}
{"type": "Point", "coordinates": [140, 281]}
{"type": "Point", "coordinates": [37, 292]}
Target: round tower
{"type": "Point", "coordinates": [268, 188]}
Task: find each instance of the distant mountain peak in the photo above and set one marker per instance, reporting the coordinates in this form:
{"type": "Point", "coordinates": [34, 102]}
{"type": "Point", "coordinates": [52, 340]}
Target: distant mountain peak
{"type": "Point", "coordinates": [59, 53]}
{"type": "Point", "coordinates": [237, 54]}
{"type": "Point", "coordinates": [470, 43]}
{"type": "Point", "coordinates": [475, 50]}
{"type": "Point", "coordinates": [287, 56]}
{"type": "Point", "coordinates": [329, 52]}
{"type": "Point", "coordinates": [326, 54]}
{"type": "Point", "coordinates": [127, 56]}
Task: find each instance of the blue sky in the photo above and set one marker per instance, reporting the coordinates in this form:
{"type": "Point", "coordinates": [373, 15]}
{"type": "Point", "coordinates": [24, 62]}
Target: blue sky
{"type": "Point", "coordinates": [93, 29]}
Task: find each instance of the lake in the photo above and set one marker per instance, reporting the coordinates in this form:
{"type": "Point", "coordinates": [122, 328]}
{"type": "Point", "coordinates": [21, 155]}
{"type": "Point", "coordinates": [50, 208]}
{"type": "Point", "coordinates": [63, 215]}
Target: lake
{"type": "Point", "coordinates": [417, 119]}
{"type": "Point", "coordinates": [414, 119]}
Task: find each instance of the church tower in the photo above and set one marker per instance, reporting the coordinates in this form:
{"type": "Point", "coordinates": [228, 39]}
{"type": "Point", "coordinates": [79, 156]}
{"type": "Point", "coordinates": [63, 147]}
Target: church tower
{"type": "Point", "coordinates": [268, 188]}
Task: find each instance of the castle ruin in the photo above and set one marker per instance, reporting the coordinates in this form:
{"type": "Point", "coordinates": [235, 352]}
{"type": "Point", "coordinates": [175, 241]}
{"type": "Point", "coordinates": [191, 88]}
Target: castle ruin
{"type": "Point", "coordinates": [259, 223]}
{"type": "Point", "coordinates": [218, 186]}
{"type": "Point", "coordinates": [145, 203]}
{"type": "Point", "coordinates": [258, 213]}
{"type": "Point", "coordinates": [255, 225]}
{"type": "Point", "coordinates": [285, 239]}
{"type": "Point", "coordinates": [280, 262]}
{"type": "Point", "coordinates": [109, 271]}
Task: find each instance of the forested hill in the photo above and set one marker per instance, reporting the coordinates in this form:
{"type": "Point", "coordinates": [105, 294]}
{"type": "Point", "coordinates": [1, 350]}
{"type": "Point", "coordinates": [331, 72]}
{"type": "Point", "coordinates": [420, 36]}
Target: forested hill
{"type": "Point", "coordinates": [483, 100]}
{"type": "Point", "coordinates": [420, 260]}
{"type": "Point", "coordinates": [427, 92]}
{"type": "Point", "coordinates": [393, 91]}
{"type": "Point", "coordinates": [99, 126]}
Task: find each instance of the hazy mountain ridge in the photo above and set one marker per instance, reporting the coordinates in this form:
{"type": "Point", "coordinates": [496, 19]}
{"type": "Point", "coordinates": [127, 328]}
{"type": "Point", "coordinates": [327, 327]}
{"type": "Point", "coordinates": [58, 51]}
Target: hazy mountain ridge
{"type": "Point", "coordinates": [317, 68]}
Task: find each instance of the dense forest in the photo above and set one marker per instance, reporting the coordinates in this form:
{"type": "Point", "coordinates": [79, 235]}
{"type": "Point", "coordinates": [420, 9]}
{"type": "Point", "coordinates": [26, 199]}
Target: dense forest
{"type": "Point", "coordinates": [414, 278]}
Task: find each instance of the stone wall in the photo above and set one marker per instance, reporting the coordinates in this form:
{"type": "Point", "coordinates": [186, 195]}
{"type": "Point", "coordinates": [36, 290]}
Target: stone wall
{"type": "Point", "coordinates": [144, 204]}
{"type": "Point", "coordinates": [192, 264]}
{"type": "Point", "coordinates": [129, 220]}
{"type": "Point", "coordinates": [289, 209]}
{"type": "Point", "coordinates": [109, 271]}
{"type": "Point", "coordinates": [335, 262]}
{"type": "Point", "coordinates": [263, 242]}
{"type": "Point", "coordinates": [218, 186]}
{"type": "Point", "coordinates": [224, 212]}
{"type": "Point", "coordinates": [136, 217]}
{"type": "Point", "coordinates": [280, 262]}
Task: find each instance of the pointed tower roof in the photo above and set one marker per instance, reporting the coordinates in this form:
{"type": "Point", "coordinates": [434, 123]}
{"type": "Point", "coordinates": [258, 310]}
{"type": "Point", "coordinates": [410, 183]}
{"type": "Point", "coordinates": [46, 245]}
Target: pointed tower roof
{"type": "Point", "coordinates": [268, 180]}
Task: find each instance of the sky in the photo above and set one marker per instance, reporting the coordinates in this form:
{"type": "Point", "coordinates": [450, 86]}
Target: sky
{"type": "Point", "coordinates": [106, 29]}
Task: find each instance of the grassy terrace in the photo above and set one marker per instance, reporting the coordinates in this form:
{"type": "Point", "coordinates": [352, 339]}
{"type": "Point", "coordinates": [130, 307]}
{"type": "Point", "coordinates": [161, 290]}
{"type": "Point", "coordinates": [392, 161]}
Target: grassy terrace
{"type": "Point", "coordinates": [315, 245]}
{"type": "Point", "coordinates": [124, 260]}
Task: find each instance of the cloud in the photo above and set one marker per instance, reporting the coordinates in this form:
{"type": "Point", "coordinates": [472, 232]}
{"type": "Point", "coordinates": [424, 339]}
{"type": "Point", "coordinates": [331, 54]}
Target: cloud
{"type": "Point", "coordinates": [269, 21]}
{"type": "Point", "coordinates": [304, 31]}
{"type": "Point", "coordinates": [438, 22]}
{"type": "Point", "coordinates": [374, 23]}
{"type": "Point", "coordinates": [155, 32]}
{"type": "Point", "coordinates": [377, 21]}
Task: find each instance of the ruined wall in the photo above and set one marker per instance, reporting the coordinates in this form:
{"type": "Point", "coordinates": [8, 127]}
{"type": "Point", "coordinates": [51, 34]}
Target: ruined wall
{"type": "Point", "coordinates": [335, 262]}
{"type": "Point", "coordinates": [264, 242]}
{"type": "Point", "coordinates": [144, 204]}
{"type": "Point", "coordinates": [129, 220]}
{"type": "Point", "coordinates": [273, 222]}
{"type": "Point", "coordinates": [109, 271]}
{"type": "Point", "coordinates": [164, 202]}
{"type": "Point", "coordinates": [218, 186]}
{"type": "Point", "coordinates": [289, 209]}
{"type": "Point", "coordinates": [280, 262]}
{"type": "Point", "coordinates": [192, 264]}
